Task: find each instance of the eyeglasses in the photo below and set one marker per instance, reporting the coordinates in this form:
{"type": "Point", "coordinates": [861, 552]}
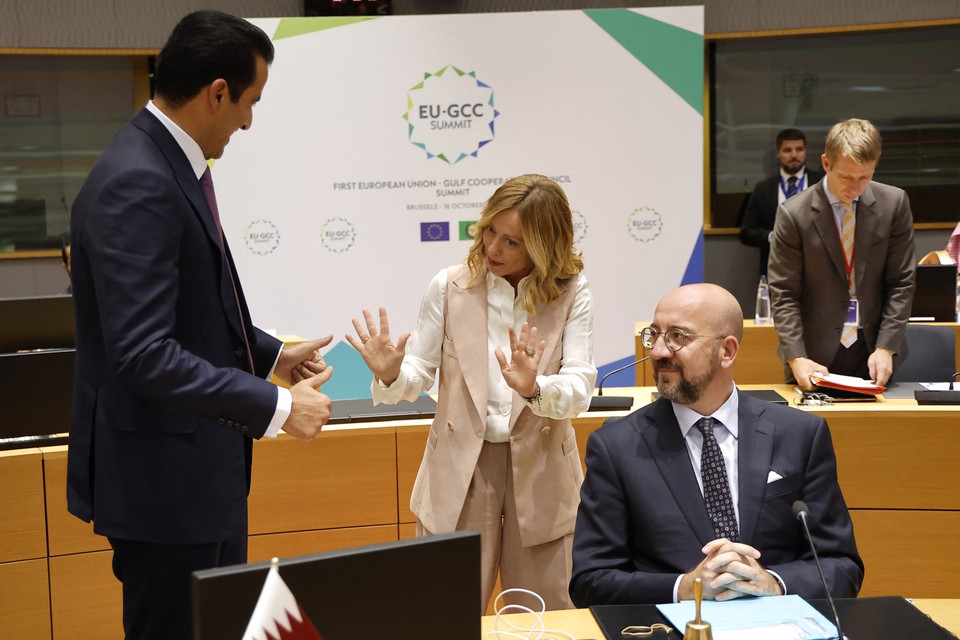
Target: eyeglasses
{"type": "Point", "coordinates": [673, 339]}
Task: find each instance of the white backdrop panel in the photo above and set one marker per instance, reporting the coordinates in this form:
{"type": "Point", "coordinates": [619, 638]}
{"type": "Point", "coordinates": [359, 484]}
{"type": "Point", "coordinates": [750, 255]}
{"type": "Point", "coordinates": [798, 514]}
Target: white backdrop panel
{"type": "Point", "coordinates": [314, 247]}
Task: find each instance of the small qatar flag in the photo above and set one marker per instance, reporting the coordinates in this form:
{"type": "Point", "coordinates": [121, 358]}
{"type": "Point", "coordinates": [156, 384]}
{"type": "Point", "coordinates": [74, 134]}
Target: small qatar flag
{"type": "Point", "coordinates": [277, 615]}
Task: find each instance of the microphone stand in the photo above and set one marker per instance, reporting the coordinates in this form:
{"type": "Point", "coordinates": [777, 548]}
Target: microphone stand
{"type": "Point", "coordinates": [801, 511]}
{"type": "Point", "coordinates": [600, 402]}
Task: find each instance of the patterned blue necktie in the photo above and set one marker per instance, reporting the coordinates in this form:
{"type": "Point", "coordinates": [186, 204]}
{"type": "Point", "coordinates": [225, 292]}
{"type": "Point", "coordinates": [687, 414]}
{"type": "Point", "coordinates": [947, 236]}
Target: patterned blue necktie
{"type": "Point", "coordinates": [716, 487]}
{"type": "Point", "coordinates": [791, 186]}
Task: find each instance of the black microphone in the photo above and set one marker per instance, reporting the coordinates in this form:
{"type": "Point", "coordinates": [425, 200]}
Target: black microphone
{"type": "Point", "coordinates": [600, 402]}
{"type": "Point", "coordinates": [939, 396]}
{"type": "Point", "coordinates": [801, 511]}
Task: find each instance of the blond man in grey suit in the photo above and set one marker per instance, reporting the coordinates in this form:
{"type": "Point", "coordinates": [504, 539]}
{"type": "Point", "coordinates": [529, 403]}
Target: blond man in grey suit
{"type": "Point", "coordinates": [843, 308]}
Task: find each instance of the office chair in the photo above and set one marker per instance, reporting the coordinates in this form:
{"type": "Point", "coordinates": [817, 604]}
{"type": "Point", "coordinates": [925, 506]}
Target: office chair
{"type": "Point", "coordinates": [931, 357]}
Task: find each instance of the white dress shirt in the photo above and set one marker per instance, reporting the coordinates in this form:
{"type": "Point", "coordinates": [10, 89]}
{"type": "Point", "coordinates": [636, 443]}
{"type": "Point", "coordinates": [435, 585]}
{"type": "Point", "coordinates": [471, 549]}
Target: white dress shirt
{"type": "Point", "coordinates": [727, 433]}
{"type": "Point", "coordinates": [838, 211]}
{"type": "Point", "coordinates": [563, 395]}
{"type": "Point", "coordinates": [802, 182]}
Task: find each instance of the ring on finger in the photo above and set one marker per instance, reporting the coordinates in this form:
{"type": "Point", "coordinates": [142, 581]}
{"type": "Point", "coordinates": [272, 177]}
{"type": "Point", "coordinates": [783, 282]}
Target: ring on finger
{"type": "Point", "coordinates": [364, 340]}
{"type": "Point", "coordinates": [530, 352]}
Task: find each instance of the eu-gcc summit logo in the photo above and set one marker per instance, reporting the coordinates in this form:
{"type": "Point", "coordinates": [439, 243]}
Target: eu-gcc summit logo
{"type": "Point", "coordinates": [579, 229]}
{"type": "Point", "coordinates": [450, 114]}
{"type": "Point", "coordinates": [645, 224]}
{"type": "Point", "coordinates": [261, 237]}
{"type": "Point", "coordinates": [337, 235]}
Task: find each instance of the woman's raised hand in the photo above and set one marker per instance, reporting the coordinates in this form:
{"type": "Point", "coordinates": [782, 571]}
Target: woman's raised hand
{"type": "Point", "coordinates": [380, 354]}
{"type": "Point", "coordinates": [525, 355]}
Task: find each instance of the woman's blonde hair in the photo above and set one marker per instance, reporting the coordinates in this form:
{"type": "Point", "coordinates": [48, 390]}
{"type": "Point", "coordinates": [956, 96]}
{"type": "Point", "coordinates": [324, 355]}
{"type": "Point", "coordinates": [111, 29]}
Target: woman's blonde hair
{"type": "Point", "coordinates": [547, 225]}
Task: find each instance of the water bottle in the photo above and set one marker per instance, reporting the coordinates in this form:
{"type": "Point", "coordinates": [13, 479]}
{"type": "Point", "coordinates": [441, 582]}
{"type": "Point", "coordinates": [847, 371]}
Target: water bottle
{"type": "Point", "coordinates": [763, 314]}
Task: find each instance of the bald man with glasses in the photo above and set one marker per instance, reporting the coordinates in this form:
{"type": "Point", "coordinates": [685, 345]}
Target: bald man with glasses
{"type": "Point", "coordinates": [701, 483]}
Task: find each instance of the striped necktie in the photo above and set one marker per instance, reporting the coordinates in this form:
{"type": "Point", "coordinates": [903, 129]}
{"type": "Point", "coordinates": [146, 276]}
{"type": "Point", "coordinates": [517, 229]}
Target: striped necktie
{"type": "Point", "coordinates": [848, 229]}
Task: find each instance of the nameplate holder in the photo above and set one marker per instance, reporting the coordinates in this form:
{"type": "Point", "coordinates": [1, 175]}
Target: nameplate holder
{"type": "Point", "coordinates": [937, 397]}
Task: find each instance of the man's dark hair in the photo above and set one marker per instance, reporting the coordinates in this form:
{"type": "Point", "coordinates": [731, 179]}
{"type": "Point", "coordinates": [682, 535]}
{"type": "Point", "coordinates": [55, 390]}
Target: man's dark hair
{"type": "Point", "coordinates": [204, 46]}
{"type": "Point", "coordinates": [790, 134]}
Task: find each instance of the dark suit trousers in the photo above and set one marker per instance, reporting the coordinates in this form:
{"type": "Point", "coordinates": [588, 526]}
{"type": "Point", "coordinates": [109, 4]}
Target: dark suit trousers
{"type": "Point", "coordinates": [156, 583]}
{"type": "Point", "coordinates": [852, 361]}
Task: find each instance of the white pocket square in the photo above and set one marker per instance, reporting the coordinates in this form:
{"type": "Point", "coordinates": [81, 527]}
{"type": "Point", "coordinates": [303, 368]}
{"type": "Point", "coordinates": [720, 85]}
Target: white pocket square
{"type": "Point", "coordinates": [773, 476]}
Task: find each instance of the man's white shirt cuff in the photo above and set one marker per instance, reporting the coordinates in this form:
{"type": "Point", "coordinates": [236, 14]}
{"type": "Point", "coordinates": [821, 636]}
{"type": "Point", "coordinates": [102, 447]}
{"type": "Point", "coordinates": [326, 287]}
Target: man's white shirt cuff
{"type": "Point", "coordinates": [284, 404]}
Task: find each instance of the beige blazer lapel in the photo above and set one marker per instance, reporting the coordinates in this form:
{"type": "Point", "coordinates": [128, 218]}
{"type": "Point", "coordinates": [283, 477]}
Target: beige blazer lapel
{"type": "Point", "coordinates": [467, 306]}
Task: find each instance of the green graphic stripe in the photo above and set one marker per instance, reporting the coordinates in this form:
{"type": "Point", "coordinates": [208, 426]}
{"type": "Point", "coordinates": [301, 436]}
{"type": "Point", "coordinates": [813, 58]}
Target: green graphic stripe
{"type": "Point", "coordinates": [673, 54]}
{"type": "Point", "coordinates": [290, 27]}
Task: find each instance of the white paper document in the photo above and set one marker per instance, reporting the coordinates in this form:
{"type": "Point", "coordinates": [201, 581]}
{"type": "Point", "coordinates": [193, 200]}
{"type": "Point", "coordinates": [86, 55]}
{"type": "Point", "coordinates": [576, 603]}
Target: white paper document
{"type": "Point", "coordinates": [774, 618]}
{"type": "Point", "coordinates": [940, 386]}
{"type": "Point", "coordinates": [846, 383]}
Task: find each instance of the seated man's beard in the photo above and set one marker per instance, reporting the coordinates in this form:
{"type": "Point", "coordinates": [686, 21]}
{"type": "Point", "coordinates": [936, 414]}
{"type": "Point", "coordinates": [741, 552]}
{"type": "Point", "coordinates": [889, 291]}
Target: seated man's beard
{"type": "Point", "coordinates": [687, 390]}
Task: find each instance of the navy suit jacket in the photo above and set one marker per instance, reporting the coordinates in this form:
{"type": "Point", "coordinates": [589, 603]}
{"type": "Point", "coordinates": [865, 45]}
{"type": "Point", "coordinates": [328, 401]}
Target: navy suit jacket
{"type": "Point", "coordinates": [164, 404]}
{"type": "Point", "coordinates": [642, 519]}
{"type": "Point", "coordinates": [761, 213]}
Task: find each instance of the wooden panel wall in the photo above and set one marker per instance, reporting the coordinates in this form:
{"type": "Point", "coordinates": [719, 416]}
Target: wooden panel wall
{"type": "Point", "coordinates": [352, 487]}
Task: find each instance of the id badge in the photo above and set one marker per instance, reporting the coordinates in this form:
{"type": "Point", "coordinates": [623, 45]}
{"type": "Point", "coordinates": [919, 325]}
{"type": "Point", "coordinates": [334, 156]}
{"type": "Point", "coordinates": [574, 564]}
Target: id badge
{"type": "Point", "coordinates": [853, 314]}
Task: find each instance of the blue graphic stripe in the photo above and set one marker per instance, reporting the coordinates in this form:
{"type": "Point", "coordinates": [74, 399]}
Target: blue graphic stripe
{"type": "Point", "coordinates": [694, 272]}
{"type": "Point", "coordinates": [625, 378]}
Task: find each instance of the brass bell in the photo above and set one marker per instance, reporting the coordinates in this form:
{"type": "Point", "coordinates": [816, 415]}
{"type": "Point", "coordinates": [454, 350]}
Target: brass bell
{"type": "Point", "coordinates": [698, 629]}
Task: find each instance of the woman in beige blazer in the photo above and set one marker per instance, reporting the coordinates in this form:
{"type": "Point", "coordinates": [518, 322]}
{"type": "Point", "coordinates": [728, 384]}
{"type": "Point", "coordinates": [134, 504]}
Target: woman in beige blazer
{"type": "Point", "coordinates": [501, 457]}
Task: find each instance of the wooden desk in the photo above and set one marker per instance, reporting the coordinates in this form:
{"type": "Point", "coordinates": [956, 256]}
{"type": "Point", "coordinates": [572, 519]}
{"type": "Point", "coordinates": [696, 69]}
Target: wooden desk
{"type": "Point", "coordinates": [581, 625]}
{"type": "Point", "coordinates": [336, 492]}
{"type": "Point", "coordinates": [945, 612]}
{"type": "Point", "coordinates": [757, 362]}
{"type": "Point", "coordinates": [23, 535]}
{"type": "Point", "coordinates": [577, 622]}
{"type": "Point", "coordinates": [25, 605]}
{"type": "Point", "coordinates": [352, 485]}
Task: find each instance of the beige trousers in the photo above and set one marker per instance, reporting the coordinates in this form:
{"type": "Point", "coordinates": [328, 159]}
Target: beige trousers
{"type": "Point", "coordinates": [490, 510]}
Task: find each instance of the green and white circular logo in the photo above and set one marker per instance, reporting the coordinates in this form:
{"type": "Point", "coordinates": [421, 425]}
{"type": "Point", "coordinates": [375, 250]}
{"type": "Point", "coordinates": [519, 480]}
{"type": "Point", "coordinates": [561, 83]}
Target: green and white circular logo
{"type": "Point", "coordinates": [450, 114]}
{"type": "Point", "coordinates": [337, 235]}
{"type": "Point", "coordinates": [644, 224]}
{"type": "Point", "coordinates": [261, 237]}
{"type": "Point", "coordinates": [579, 228]}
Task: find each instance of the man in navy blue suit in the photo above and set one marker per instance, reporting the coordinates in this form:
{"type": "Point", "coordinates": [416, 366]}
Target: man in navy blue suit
{"type": "Point", "coordinates": [701, 483]}
{"type": "Point", "coordinates": [792, 177]}
{"type": "Point", "coordinates": [172, 377]}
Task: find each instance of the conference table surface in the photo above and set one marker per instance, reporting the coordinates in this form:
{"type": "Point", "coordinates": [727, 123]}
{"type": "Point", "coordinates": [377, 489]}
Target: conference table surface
{"type": "Point", "coordinates": [580, 623]}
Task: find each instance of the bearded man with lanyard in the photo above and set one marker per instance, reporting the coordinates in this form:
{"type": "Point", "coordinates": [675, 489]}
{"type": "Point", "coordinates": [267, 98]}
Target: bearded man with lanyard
{"type": "Point", "coordinates": [768, 194]}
